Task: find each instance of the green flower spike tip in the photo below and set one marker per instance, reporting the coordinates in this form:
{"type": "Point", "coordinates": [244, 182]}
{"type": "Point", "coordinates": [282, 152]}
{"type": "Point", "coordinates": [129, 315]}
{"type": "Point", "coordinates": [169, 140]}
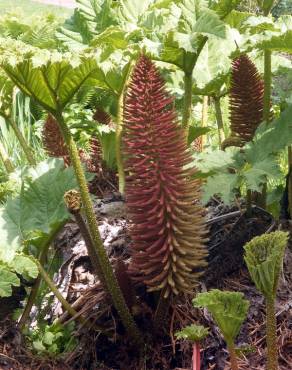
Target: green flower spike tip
{"type": "Point", "coordinates": [229, 310]}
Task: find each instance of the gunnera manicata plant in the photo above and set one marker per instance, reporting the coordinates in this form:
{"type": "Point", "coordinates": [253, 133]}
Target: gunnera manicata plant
{"type": "Point", "coordinates": [167, 221]}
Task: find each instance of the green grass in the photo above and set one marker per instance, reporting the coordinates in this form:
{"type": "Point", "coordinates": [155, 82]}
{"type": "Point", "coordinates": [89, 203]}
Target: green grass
{"type": "Point", "coordinates": [29, 7]}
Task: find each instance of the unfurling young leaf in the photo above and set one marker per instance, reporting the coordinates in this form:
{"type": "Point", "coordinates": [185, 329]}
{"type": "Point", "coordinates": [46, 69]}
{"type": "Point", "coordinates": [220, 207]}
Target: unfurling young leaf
{"type": "Point", "coordinates": [264, 257]}
{"type": "Point", "coordinates": [229, 310]}
{"type": "Point", "coordinates": [194, 333]}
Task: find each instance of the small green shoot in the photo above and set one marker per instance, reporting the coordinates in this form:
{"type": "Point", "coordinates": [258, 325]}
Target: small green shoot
{"type": "Point", "coordinates": [193, 333]}
{"type": "Point", "coordinates": [229, 310]}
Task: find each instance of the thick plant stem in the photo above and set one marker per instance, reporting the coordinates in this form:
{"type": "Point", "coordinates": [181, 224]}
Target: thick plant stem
{"type": "Point", "coordinates": [25, 147]}
{"type": "Point", "coordinates": [119, 129]}
{"type": "Point", "coordinates": [272, 356]}
{"type": "Point", "coordinates": [5, 159]}
{"type": "Point", "coordinates": [233, 358]}
{"type": "Point", "coordinates": [55, 290]}
{"type": "Point", "coordinates": [219, 119]}
{"type": "Point", "coordinates": [187, 108]}
{"type": "Point", "coordinates": [107, 271]}
{"type": "Point", "coordinates": [268, 85]}
{"type": "Point", "coordinates": [89, 245]}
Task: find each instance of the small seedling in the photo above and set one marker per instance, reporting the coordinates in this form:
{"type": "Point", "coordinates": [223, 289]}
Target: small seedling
{"type": "Point", "coordinates": [195, 334]}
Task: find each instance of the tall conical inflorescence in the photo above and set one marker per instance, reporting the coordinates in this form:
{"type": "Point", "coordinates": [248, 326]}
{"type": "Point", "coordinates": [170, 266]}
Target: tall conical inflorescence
{"type": "Point", "coordinates": [168, 230]}
{"type": "Point", "coordinates": [246, 101]}
{"type": "Point", "coordinates": [53, 141]}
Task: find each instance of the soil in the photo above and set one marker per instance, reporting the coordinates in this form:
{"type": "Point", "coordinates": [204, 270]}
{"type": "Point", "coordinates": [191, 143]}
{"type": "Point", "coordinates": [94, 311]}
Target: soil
{"type": "Point", "coordinates": [230, 229]}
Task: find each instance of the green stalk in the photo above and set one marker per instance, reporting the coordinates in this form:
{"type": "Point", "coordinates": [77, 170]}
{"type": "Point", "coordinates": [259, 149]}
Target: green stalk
{"type": "Point", "coordinates": [189, 65]}
{"type": "Point", "coordinates": [204, 119]}
{"type": "Point", "coordinates": [34, 290]}
{"type": "Point", "coordinates": [232, 354]}
{"type": "Point", "coordinates": [5, 159]}
{"type": "Point", "coordinates": [267, 106]}
{"type": "Point", "coordinates": [249, 203]}
{"type": "Point", "coordinates": [268, 85]}
{"type": "Point", "coordinates": [73, 202]}
{"type": "Point", "coordinates": [187, 108]}
{"type": "Point", "coordinates": [219, 119]}
{"type": "Point", "coordinates": [55, 290]}
{"type": "Point", "coordinates": [25, 147]}
{"type": "Point", "coordinates": [272, 361]}
{"type": "Point", "coordinates": [290, 179]}
{"type": "Point", "coordinates": [119, 129]}
{"type": "Point", "coordinates": [107, 271]}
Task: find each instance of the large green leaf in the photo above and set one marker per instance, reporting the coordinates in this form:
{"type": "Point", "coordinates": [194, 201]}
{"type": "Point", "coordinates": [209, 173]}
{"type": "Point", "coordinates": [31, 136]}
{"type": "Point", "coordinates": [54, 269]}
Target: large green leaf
{"type": "Point", "coordinates": [90, 18]}
{"type": "Point", "coordinates": [223, 7]}
{"type": "Point", "coordinates": [196, 22]}
{"type": "Point", "coordinates": [114, 68]}
{"type": "Point", "coordinates": [7, 280]}
{"type": "Point", "coordinates": [130, 12]}
{"type": "Point", "coordinates": [252, 165]}
{"type": "Point", "coordinates": [50, 77]}
{"type": "Point", "coordinates": [256, 175]}
{"type": "Point", "coordinates": [263, 33]}
{"type": "Point", "coordinates": [212, 69]}
{"type": "Point", "coordinates": [271, 138]}
{"type": "Point", "coordinates": [39, 209]}
{"type": "Point", "coordinates": [24, 265]}
{"type": "Point", "coordinates": [33, 217]}
{"type": "Point", "coordinates": [221, 184]}
{"type": "Point", "coordinates": [236, 19]}
{"type": "Point", "coordinates": [19, 265]}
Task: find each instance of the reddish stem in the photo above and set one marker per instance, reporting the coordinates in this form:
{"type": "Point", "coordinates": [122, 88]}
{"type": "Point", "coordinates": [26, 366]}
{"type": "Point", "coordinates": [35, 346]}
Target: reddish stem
{"type": "Point", "coordinates": [196, 356]}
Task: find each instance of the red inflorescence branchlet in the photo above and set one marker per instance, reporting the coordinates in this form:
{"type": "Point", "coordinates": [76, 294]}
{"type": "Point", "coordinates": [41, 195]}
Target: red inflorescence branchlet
{"type": "Point", "coordinates": [53, 141]}
{"type": "Point", "coordinates": [167, 223]}
{"type": "Point", "coordinates": [94, 164]}
{"type": "Point", "coordinates": [102, 116]}
{"type": "Point", "coordinates": [246, 99]}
